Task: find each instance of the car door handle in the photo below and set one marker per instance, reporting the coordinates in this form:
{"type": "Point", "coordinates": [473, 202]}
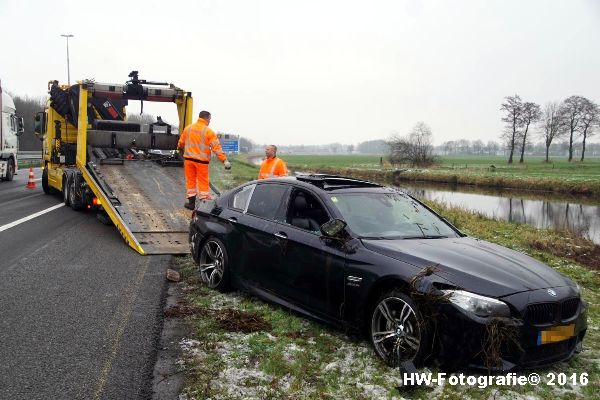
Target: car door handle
{"type": "Point", "coordinates": [280, 235]}
{"type": "Point", "coordinates": [232, 220]}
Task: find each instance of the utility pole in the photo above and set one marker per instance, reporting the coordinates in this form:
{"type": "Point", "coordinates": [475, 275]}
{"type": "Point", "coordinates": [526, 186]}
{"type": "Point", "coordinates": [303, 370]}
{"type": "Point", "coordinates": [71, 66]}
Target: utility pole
{"type": "Point", "coordinates": [68, 66]}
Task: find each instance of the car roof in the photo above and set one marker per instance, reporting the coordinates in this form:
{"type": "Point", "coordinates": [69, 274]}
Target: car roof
{"type": "Point", "coordinates": [334, 183]}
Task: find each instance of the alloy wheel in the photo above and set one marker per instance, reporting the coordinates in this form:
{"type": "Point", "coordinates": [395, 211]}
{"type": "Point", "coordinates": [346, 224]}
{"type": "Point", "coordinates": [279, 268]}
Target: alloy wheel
{"type": "Point", "coordinates": [395, 330]}
{"type": "Point", "coordinates": [212, 264]}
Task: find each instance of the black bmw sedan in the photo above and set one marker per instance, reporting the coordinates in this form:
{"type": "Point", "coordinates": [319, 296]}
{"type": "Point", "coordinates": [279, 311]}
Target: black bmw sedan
{"type": "Point", "coordinates": [373, 259]}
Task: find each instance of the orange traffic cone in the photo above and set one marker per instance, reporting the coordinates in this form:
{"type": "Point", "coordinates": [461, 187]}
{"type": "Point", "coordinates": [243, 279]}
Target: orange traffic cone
{"type": "Point", "coordinates": [31, 182]}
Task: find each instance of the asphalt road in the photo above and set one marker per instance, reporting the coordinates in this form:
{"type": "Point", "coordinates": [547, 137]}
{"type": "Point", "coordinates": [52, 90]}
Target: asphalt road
{"type": "Point", "coordinates": [80, 312]}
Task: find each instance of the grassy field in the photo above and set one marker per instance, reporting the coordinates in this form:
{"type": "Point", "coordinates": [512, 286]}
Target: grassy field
{"type": "Point", "coordinates": [244, 348]}
{"type": "Point", "coordinates": [533, 166]}
{"type": "Point", "coordinates": [558, 176]}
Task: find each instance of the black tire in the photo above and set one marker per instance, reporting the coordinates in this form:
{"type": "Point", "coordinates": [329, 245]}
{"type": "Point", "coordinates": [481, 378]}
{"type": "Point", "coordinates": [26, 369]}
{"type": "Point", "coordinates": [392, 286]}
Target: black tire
{"type": "Point", "coordinates": [213, 265]}
{"type": "Point", "coordinates": [75, 200]}
{"type": "Point", "coordinates": [65, 190]}
{"type": "Point", "coordinates": [45, 185]}
{"type": "Point", "coordinates": [10, 170]}
{"type": "Point", "coordinates": [397, 329]}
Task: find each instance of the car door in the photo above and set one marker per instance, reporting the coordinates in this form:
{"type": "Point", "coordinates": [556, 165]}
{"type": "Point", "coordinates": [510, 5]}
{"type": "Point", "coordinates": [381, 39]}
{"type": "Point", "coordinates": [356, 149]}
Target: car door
{"type": "Point", "coordinates": [257, 225]}
{"type": "Point", "coordinates": [311, 268]}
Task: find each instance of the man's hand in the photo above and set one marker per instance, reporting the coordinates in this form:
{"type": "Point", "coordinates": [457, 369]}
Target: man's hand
{"type": "Point", "coordinates": [227, 164]}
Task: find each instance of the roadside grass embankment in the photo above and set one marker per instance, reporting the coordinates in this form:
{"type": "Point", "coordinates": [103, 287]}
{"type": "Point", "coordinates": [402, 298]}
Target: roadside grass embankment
{"type": "Point", "coordinates": [265, 351]}
{"type": "Point", "coordinates": [535, 174]}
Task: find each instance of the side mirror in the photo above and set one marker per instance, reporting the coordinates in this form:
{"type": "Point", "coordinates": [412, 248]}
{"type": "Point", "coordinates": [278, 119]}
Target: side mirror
{"type": "Point", "coordinates": [333, 228]}
{"type": "Point", "coordinates": [39, 126]}
{"type": "Point", "coordinates": [20, 126]}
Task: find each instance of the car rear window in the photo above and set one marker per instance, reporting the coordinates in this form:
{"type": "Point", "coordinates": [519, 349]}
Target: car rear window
{"type": "Point", "coordinates": [239, 200]}
{"type": "Point", "coordinates": [266, 200]}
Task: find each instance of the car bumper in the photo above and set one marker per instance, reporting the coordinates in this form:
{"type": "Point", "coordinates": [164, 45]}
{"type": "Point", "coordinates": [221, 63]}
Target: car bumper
{"type": "Point", "coordinates": [467, 340]}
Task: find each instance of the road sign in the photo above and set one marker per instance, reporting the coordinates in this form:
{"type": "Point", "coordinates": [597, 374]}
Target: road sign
{"type": "Point", "coordinates": [229, 143]}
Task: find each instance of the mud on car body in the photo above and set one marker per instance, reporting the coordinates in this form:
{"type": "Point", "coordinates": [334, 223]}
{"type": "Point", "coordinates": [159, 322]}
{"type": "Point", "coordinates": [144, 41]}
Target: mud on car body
{"type": "Point", "coordinates": [359, 255]}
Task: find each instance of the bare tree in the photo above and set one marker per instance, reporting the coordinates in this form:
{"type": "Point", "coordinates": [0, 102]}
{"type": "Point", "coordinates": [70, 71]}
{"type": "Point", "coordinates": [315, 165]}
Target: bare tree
{"type": "Point", "coordinates": [513, 108]}
{"type": "Point", "coordinates": [477, 146]}
{"type": "Point", "coordinates": [415, 148]}
{"type": "Point", "coordinates": [27, 107]}
{"type": "Point", "coordinates": [552, 124]}
{"type": "Point", "coordinates": [572, 110]}
{"type": "Point", "coordinates": [530, 115]}
{"type": "Point", "coordinates": [492, 147]}
{"type": "Point", "coordinates": [589, 118]}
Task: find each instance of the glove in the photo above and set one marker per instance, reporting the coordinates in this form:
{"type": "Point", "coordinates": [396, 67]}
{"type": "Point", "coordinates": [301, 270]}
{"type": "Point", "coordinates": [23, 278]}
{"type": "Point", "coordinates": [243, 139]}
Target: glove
{"type": "Point", "coordinates": [227, 164]}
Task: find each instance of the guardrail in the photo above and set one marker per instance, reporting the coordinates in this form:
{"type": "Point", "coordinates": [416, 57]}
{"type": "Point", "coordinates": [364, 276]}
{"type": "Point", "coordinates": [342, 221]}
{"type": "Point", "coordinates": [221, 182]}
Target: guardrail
{"type": "Point", "coordinates": [29, 155]}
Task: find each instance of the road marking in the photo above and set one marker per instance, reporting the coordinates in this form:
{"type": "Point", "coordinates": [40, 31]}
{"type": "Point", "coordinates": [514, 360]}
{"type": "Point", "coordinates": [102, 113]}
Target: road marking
{"type": "Point", "coordinates": [29, 217]}
{"type": "Point", "coordinates": [117, 327]}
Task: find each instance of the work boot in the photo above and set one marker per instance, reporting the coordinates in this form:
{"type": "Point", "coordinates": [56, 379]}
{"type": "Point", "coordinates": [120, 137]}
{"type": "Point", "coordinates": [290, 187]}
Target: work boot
{"type": "Point", "coordinates": [191, 204]}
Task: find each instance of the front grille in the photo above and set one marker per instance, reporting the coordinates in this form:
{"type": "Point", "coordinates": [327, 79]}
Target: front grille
{"type": "Point", "coordinates": [548, 353]}
{"type": "Point", "coordinates": [541, 313]}
{"type": "Point", "coordinates": [569, 308]}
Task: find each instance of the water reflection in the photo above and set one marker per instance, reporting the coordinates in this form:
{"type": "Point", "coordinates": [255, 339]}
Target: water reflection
{"type": "Point", "coordinates": [554, 213]}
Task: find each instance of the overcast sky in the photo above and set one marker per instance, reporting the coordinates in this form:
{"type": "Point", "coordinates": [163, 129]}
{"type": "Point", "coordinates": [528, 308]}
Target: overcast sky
{"type": "Point", "coordinates": [308, 72]}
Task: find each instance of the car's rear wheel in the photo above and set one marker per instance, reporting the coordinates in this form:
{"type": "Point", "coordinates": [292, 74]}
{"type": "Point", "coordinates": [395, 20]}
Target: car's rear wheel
{"type": "Point", "coordinates": [398, 331]}
{"type": "Point", "coordinates": [213, 265]}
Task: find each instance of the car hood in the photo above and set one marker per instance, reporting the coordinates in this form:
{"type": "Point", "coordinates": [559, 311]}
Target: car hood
{"type": "Point", "coordinates": [474, 265]}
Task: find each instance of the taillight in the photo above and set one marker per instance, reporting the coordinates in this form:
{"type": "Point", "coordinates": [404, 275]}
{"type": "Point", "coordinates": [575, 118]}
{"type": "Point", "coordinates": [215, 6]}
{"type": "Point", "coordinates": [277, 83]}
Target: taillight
{"type": "Point", "coordinates": [96, 201]}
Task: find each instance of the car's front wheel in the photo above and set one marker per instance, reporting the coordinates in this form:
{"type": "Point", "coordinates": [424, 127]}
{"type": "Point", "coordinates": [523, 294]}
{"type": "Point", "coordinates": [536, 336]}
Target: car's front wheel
{"type": "Point", "coordinates": [398, 331]}
{"type": "Point", "coordinates": [213, 264]}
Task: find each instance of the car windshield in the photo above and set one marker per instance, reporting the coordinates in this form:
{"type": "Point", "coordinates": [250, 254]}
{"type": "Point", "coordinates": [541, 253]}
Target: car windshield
{"type": "Point", "coordinates": [389, 216]}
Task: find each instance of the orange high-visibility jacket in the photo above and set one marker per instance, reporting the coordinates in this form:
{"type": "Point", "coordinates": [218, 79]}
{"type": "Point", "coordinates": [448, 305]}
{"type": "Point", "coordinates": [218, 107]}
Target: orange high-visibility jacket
{"type": "Point", "coordinates": [272, 167]}
{"type": "Point", "coordinates": [198, 140]}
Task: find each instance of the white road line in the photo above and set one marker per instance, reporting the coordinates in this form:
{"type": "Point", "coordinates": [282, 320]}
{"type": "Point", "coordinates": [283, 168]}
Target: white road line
{"type": "Point", "coordinates": [32, 216]}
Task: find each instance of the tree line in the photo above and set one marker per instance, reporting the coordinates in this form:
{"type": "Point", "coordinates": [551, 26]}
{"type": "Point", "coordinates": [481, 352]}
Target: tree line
{"type": "Point", "coordinates": [574, 118]}
{"type": "Point", "coordinates": [27, 107]}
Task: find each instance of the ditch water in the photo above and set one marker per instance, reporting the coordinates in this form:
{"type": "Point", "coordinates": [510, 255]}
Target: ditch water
{"type": "Point", "coordinates": [540, 209]}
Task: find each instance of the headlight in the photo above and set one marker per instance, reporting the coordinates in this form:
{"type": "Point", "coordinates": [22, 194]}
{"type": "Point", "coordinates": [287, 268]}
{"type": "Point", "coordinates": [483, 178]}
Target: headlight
{"type": "Point", "coordinates": [479, 305]}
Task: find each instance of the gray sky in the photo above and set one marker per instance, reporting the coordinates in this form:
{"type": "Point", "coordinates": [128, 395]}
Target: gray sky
{"type": "Point", "coordinates": [309, 72]}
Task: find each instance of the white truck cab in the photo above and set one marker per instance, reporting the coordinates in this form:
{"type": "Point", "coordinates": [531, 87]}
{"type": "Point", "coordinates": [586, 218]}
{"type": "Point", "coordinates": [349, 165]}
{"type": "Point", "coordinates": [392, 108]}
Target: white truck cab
{"type": "Point", "coordinates": [11, 126]}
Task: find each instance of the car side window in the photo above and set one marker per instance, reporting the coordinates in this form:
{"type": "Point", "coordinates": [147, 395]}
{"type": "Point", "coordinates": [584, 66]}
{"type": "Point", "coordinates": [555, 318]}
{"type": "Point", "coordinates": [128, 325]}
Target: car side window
{"type": "Point", "coordinates": [266, 200]}
{"type": "Point", "coordinates": [305, 211]}
{"type": "Point", "coordinates": [239, 200]}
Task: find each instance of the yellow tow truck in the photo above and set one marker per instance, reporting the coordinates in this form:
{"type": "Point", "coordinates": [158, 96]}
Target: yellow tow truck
{"type": "Point", "coordinates": [99, 160]}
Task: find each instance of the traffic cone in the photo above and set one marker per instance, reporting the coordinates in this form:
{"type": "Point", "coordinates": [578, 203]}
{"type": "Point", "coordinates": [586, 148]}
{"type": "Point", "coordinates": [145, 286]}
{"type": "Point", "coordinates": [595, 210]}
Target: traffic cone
{"type": "Point", "coordinates": [31, 182]}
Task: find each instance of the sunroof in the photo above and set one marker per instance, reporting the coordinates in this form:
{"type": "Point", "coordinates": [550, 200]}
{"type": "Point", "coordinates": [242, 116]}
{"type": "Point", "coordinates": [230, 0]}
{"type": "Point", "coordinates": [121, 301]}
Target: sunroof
{"type": "Point", "coordinates": [334, 181]}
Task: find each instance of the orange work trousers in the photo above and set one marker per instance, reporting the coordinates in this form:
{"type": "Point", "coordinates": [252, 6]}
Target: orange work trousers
{"type": "Point", "coordinates": [196, 179]}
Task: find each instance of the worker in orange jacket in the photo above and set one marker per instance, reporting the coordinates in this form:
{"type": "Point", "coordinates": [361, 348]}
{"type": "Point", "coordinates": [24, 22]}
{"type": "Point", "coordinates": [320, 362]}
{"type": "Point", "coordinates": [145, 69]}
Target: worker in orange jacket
{"type": "Point", "coordinates": [272, 166]}
{"type": "Point", "coordinates": [197, 142]}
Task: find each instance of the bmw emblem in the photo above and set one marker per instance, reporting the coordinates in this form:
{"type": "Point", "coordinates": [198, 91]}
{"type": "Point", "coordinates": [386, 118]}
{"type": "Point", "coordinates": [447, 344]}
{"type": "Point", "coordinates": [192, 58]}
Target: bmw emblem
{"type": "Point", "coordinates": [551, 292]}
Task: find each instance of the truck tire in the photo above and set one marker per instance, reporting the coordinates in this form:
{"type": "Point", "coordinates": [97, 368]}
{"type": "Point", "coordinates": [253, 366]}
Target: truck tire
{"type": "Point", "coordinates": [65, 190]}
{"type": "Point", "coordinates": [45, 186]}
{"type": "Point", "coordinates": [10, 170]}
{"type": "Point", "coordinates": [75, 200]}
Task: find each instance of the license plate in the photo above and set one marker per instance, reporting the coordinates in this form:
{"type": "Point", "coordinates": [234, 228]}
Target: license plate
{"type": "Point", "coordinates": [556, 334]}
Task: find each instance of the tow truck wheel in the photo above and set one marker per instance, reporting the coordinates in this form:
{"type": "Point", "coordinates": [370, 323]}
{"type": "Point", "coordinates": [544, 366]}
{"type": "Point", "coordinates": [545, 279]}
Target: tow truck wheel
{"type": "Point", "coordinates": [75, 200]}
{"type": "Point", "coordinates": [45, 185]}
{"type": "Point", "coordinates": [65, 190]}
